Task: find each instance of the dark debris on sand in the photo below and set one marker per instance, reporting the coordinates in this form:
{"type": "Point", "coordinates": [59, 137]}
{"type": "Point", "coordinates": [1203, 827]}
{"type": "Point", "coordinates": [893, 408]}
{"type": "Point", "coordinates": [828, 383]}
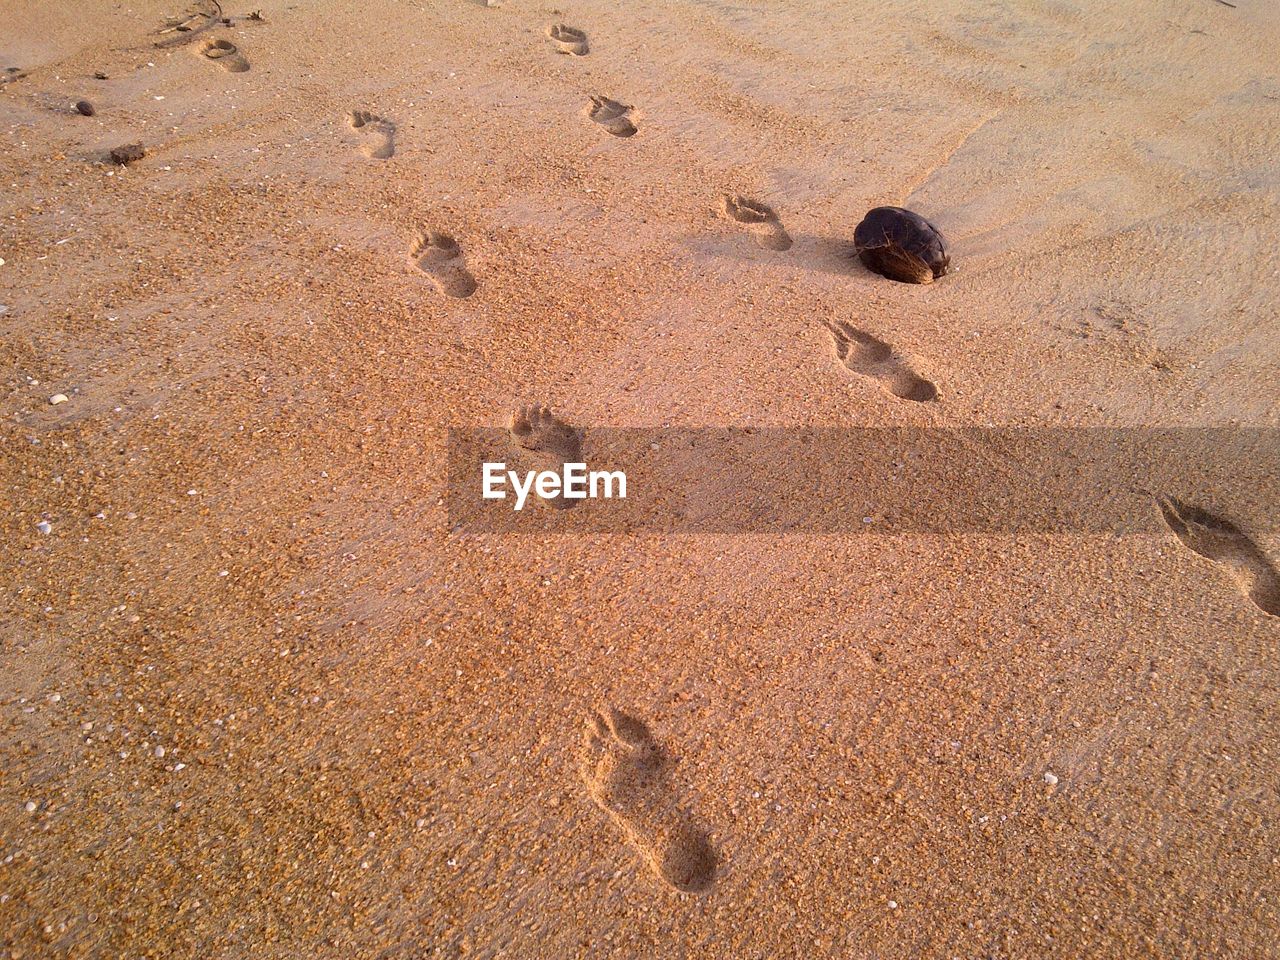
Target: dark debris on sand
{"type": "Point", "coordinates": [902, 245]}
{"type": "Point", "coordinates": [127, 154]}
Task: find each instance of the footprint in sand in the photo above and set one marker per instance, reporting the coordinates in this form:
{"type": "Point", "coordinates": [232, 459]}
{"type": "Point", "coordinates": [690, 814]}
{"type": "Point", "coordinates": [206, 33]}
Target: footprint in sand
{"type": "Point", "coordinates": [440, 258]}
{"type": "Point", "coordinates": [759, 219]}
{"type": "Point", "coordinates": [612, 115]}
{"type": "Point", "coordinates": [1222, 542]}
{"type": "Point", "coordinates": [867, 356]}
{"type": "Point", "coordinates": [568, 39]}
{"type": "Point", "coordinates": [225, 54]}
{"type": "Point", "coordinates": [552, 443]}
{"type": "Point", "coordinates": [628, 775]}
{"type": "Point", "coordinates": [379, 134]}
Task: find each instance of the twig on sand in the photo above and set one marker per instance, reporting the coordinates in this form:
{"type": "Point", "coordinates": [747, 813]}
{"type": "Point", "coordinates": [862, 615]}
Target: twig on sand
{"type": "Point", "coordinates": [210, 11]}
{"type": "Point", "coordinates": [1225, 3]}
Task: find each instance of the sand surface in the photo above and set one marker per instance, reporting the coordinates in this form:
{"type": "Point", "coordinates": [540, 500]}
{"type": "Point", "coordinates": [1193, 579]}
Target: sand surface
{"type": "Point", "coordinates": [258, 699]}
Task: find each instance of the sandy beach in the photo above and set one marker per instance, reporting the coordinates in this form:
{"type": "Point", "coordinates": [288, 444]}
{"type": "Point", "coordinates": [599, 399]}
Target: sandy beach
{"type": "Point", "coordinates": [262, 696]}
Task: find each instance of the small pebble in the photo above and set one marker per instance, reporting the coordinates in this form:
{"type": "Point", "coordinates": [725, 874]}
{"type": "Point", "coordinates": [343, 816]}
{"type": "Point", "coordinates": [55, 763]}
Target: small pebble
{"type": "Point", "coordinates": [30, 806]}
{"type": "Point", "coordinates": [893, 904]}
{"type": "Point", "coordinates": [127, 154]}
{"type": "Point", "coordinates": [1050, 779]}
{"type": "Point", "coordinates": [44, 526]}
{"type": "Point", "coordinates": [58, 398]}
{"type": "Point", "coordinates": [85, 108]}
{"type": "Point", "coordinates": [159, 752]}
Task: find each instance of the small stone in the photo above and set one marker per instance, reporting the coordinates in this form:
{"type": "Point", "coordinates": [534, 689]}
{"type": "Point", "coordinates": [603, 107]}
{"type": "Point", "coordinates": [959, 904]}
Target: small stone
{"type": "Point", "coordinates": [159, 753]}
{"type": "Point", "coordinates": [893, 904]}
{"type": "Point", "coordinates": [29, 806]}
{"type": "Point", "coordinates": [1050, 779]}
{"type": "Point", "coordinates": [85, 108]}
{"type": "Point", "coordinates": [127, 154]}
{"type": "Point", "coordinates": [58, 398]}
{"type": "Point", "coordinates": [44, 526]}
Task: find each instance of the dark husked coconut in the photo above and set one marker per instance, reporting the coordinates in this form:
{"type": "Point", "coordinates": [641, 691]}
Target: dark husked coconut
{"type": "Point", "coordinates": [901, 245]}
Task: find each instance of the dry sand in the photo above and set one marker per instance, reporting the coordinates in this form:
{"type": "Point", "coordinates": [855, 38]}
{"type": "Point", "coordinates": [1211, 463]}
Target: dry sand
{"type": "Point", "coordinates": [258, 701]}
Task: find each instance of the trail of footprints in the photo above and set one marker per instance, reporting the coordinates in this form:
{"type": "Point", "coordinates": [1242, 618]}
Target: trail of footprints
{"type": "Point", "coordinates": [627, 774]}
{"type": "Point", "coordinates": [624, 769]}
{"type": "Point", "coordinates": [1222, 542]}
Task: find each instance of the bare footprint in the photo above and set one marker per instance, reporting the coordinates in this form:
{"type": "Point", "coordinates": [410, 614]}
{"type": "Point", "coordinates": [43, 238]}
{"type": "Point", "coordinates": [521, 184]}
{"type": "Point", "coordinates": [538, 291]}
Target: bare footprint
{"type": "Point", "coordinates": [628, 775]}
{"type": "Point", "coordinates": [551, 442]}
{"type": "Point", "coordinates": [225, 54]}
{"type": "Point", "coordinates": [867, 356]}
{"type": "Point", "coordinates": [612, 115]}
{"type": "Point", "coordinates": [568, 39]}
{"type": "Point", "coordinates": [760, 219]}
{"type": "Point", "coordinates": [440, 258]}
{"type": "Point", "coordinates": [1222, 542]}
{"type": "Point", "coordinates": [380, 134]}
{"type": "Point", "coordinates": [536, 428]}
